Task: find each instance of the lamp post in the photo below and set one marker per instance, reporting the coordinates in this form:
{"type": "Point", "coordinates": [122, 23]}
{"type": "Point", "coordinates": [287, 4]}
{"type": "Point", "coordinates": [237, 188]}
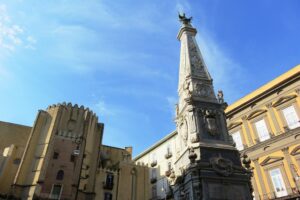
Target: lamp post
{"type": "Point", "coordinates": [79, 141]}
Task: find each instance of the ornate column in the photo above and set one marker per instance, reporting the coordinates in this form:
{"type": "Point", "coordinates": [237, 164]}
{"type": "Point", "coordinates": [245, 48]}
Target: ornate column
{"type": "Point", "coordinates": [291, 166]}
{"type": "Point", "coordinates": [245, 123]}
{"type": "Point", "coordinates": [260, 178]}
{"type": "Point", "coordinates": [273, 118]}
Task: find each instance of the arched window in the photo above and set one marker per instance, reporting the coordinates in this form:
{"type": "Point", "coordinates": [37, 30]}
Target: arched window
{"type": "Point", "coordinates": [60, 175]}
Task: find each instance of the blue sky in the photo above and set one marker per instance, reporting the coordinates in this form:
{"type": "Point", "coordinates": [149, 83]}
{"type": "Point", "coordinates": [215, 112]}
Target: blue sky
{"type": "Point", "coordinates": [120, 58]}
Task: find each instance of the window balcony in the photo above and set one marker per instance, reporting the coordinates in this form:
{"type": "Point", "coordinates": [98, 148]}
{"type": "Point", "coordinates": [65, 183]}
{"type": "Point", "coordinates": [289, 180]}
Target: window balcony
{"type": "Point", "coordinates": [168, 173]}
{"type": "Point", "coordinates": [108, 186]}
{"type": "Point", "coordinates": [168, 155]}
{"type": "Point", "coordinates": [153, 163]}
{"type": "Point", "coordinates": [153, 180]}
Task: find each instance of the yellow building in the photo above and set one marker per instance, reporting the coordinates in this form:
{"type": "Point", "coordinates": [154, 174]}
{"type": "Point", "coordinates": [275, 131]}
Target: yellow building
{"type": "Point", "coordinates": [118, 177]}
{"type": "Point", "coordinates": [265, 125]}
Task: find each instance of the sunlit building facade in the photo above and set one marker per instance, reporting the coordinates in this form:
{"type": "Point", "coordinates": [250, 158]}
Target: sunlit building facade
{"type": "Point", "coordinates": [265, 126]}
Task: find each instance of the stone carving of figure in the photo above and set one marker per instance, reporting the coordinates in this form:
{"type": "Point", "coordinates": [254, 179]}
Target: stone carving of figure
{"type": "Point", "coordinates": [184, 20]}
{"type": "Point", "coordinates": [184, 131]}
{"type": "Point", "coordinates": [220, 96]}
{"type": "Point", "coordinates": [192, 122]}
{"type": "Point", "coordinates": [188, 88]}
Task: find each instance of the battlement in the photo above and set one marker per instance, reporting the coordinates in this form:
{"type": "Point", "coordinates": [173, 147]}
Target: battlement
{"type": "Point", "coordinates": [70, 106]}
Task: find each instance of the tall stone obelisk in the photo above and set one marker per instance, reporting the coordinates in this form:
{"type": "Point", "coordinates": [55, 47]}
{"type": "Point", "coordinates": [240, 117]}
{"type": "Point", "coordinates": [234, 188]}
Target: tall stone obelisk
{"type": "Point", "coordinates": [208, 165]}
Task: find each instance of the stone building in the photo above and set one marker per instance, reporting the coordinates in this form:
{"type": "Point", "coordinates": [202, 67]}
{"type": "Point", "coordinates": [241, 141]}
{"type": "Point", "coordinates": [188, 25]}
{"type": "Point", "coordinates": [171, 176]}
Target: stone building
{"type": "Point", "coordinates": [62, 157]}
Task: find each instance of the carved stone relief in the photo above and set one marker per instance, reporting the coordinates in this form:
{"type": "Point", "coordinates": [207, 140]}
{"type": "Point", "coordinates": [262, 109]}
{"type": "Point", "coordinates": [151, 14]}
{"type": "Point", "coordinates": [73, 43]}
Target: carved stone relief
{"type": "Point", "coordinates": [192, 122]}
{"type": "Point", "coordinates": [197, 67]}
{"type": "Point", "coordinates": [183, 129]}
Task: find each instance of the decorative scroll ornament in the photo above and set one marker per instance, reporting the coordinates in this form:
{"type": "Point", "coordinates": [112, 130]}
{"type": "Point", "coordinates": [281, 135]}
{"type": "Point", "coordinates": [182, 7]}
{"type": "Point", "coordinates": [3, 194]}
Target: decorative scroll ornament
{"type": "Point", "coordinates": [222, 166]}
{"type": "Point", "coordinates": [188, 88]}
{"type": "Point", "coordinates": [192, 155]}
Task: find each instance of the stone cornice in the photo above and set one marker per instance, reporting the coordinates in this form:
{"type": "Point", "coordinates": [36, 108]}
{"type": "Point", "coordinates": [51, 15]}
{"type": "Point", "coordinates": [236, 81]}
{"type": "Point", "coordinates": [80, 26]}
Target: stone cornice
{"type": "Point", "coordinates": [191, 30]}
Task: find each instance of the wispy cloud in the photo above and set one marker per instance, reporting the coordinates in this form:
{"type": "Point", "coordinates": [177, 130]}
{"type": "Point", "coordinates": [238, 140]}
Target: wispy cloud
{"type": "Point", "coordinates": [183, 6]}
{"type": "Point", "coordinates": [224, 69]}
{"type": "Point", "coordinates": [11, 34]}
{"type": "Point", "coordinates": [102, 108]}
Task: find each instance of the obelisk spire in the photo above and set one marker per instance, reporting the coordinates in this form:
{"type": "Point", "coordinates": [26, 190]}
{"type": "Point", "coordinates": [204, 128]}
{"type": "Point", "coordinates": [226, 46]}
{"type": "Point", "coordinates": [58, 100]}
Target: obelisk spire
{"type": "Point", "coordinates": [194, 79]}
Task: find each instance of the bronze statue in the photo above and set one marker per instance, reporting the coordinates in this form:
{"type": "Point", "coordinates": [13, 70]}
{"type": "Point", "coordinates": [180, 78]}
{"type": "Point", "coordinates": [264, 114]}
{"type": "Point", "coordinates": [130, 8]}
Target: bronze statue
{"type": "Point", "coordinates": [184, 19]}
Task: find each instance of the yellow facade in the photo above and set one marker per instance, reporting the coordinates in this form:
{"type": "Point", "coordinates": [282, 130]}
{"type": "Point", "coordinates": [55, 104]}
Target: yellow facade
{"type": "Point", "coordinates": [265, 125]}
{"type": "Point", "coordinates": [119, 176]}
{"type": "Point", "coordinates": [13, 139]}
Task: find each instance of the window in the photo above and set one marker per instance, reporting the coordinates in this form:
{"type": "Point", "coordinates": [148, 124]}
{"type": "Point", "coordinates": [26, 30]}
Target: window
{"type": "Point", "coordinates": [153, 161]}
{"type": "Point", "coordinates": [72, 158]}
{"type": "Point", "coordinates": [278, 182]}
{"type": "Point", "coordinates": [262, 130]}
{"type": "Point", "coordinates": [17, 161]}
{"type": "Point", "coordinates": [107, 196]}
{"type": "Point", "coordinates": [291, 117]}
{"type": "Point", "coordinates": [109, 181]}
{"type": "Point", "coordinates": [169, 166]}
{"type": "Point", "coordinates": [238, 140]}
{"type": "Point", "coordinates": [60, 175]}
{"type": "Point", "coordinates": [56, 192]}
{"type": "Point", "coordinates": [154, 193]}
{"type": "Point", "coordinates": [153, 157]}
{"type": "Point", "coordinates": [169, 149]}
{"type": "Point", "coordinates": [55, 155]}
{"type": "Point", "coordinates": [153, 173]}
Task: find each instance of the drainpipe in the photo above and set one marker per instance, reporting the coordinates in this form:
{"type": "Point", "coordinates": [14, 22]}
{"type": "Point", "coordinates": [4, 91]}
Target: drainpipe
{"type": "Point", "coordinates": [118, 184]}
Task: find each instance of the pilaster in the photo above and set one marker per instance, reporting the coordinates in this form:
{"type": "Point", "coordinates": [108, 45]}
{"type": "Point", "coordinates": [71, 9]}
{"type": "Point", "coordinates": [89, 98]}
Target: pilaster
{"type": "Point", "coordinates": [260, 178]}
{"type": "Point", "coordinates": [246, 125]}
{"type": "Point", "coordinates": [291, 166]}
{"type": "Point", "coordinates": [273, 118]}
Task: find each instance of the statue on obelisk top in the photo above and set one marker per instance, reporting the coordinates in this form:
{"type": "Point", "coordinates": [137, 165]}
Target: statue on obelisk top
{"type": "Point", "coordinates": [184, 20]}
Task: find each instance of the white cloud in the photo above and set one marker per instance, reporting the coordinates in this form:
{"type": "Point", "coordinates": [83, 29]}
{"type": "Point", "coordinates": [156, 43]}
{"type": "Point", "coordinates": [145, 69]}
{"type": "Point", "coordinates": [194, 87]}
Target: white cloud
{"type": "Point", "coordinates": [183, 6]}
{"type": "Point", "coordinates": [11, 35]}
{"type": "Point", "coordinates": [31, 41]}
{"type": "Point", "coordinates": [103, 109]}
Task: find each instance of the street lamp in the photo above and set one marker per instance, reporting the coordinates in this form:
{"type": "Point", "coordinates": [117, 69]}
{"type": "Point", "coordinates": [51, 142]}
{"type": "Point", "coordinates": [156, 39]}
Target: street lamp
{"type": "Point", "coordinates": [76, 152]}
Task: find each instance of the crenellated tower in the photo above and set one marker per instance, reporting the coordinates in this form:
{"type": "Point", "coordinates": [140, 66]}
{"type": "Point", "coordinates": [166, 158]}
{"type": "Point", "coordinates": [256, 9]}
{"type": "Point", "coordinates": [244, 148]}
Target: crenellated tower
{"type": "Point", "coordinates": [61, 155]}
{"type": "Point", "coordinates": [207, 164]}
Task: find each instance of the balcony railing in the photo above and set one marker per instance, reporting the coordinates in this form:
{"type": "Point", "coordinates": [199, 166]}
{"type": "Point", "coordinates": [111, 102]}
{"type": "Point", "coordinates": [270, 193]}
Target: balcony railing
{"type": "Point", "coordinates": [153, 163]}
{"type": "Point", "coordinates": [108, 186]}
{"type": "Point", "coordinates": [153, 180]}
{"type": "Point", "coordinates": [168, 173]}
{"type": "Point", "coordinates": [168, 155]}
